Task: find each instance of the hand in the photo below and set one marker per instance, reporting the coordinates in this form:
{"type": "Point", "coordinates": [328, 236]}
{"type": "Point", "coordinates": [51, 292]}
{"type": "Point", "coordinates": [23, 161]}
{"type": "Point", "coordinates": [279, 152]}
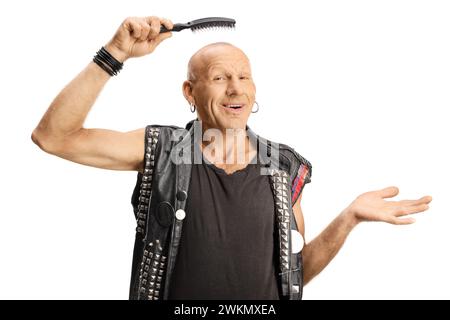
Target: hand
{"type": "Point", "coordinates": [371, 206]}
{"type": "Point", "coordinates": [137, 37]}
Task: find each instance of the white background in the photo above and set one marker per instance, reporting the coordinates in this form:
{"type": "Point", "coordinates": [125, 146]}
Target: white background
{"type": "Point", "coordinates": [359, 88]}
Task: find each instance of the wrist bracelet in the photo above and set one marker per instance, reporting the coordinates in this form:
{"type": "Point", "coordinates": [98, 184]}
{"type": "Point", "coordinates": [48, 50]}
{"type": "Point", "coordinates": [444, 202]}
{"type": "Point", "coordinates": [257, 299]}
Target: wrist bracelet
{"type": "Point", "coordinates": [107, 62]}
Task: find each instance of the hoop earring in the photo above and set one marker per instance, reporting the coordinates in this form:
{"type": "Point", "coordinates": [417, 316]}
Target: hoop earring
{"type": "Point", "coordinates": [193, 107]}
{"type": "Point", "coordinates": [257, 108]}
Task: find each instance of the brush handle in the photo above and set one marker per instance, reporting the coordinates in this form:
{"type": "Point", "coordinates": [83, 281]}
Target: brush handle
{"type": "Point", "coordinates": [176, 27]}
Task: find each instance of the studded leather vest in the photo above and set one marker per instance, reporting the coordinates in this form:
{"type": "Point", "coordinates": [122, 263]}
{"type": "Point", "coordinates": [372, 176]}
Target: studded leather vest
{"type": "Point", "coordinates": [159, 199]}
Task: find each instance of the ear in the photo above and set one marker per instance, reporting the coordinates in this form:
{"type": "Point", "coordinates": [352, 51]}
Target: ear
{"type": "Point", "coordinates": [187, 91]}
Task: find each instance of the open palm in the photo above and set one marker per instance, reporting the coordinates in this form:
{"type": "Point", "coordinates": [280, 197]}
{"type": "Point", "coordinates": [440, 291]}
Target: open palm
{"type": "Point", "coordinates": [372, 206]}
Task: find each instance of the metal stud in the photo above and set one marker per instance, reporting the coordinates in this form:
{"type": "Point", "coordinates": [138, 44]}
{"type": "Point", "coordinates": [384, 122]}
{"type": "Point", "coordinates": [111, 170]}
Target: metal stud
{"type": "Point", "coordinates": [280, 184]}
{"type": "Point", "coordinates": [142, 216]}
{"type": "Point", "coordinates": [142, 207]}
{"type": "Point", "coordinates": [143, 199]}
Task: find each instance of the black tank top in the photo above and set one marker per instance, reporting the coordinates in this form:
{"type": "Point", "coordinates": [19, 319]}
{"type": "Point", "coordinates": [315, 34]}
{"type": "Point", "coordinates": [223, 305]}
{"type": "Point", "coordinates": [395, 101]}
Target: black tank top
{"type": "Point", "coordinates": [227, 244]}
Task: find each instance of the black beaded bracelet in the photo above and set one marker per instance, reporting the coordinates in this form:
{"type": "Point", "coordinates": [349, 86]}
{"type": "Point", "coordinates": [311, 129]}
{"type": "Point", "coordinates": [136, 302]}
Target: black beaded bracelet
{"type": "Point", "coordinates": [107, 62]}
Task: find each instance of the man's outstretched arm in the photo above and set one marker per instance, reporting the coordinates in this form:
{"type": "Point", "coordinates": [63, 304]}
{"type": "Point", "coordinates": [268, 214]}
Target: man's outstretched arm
{"type": "Point", "coordinates": [60, 131]}
{"type": "Point", "coordinates": [369, 206]}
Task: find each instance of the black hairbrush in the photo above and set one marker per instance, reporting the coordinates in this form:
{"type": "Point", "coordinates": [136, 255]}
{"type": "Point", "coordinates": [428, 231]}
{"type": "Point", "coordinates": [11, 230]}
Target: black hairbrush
{"type": "Point", "coordinates": [201, 24]}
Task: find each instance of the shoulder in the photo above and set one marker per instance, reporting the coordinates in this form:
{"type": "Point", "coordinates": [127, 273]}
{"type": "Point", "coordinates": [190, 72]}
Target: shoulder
{"type": "Point", "coordinates": [161, 127]}
{"type": "Point", "coordinates": [293, 156]}
{"type": "Point", "coordinates": [160, 132]}
{"type": "Point", "coordinates": [300, 170]}
{"type": "Point", "coordinates": [285, 157]}
{"type": "Point", "coordinates": [293, 162]}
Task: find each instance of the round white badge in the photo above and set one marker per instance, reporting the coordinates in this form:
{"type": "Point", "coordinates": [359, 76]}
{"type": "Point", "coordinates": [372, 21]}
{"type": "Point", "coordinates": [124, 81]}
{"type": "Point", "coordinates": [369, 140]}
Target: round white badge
{"type": "Point", "coordinates": [180, 214]}
{"type": "Point", "coordinates": [297, 241]}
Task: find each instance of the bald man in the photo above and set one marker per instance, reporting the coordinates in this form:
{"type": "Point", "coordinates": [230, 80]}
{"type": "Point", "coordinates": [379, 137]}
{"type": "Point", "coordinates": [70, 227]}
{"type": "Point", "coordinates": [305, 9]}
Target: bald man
{"type": "Point", "coordinates": [220, 228]}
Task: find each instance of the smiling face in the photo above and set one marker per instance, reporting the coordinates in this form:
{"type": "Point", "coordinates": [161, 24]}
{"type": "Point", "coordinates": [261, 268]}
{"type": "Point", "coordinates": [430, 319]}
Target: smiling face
{"type": "Point", "coordinates": [220, 85]}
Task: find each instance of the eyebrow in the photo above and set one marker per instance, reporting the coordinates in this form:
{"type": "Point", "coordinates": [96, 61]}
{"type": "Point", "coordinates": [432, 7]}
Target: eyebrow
{"type": "Point", "coordinates": [217, 70]}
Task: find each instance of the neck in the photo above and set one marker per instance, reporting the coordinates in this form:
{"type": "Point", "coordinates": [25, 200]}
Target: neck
{"type": "Point", "coordinates": [227, 147]}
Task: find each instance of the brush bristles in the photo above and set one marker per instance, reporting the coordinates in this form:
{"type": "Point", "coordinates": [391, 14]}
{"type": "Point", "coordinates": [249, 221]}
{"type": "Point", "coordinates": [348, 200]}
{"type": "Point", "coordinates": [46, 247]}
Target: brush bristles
{"type": "Point", "coordinates": [216, 25]}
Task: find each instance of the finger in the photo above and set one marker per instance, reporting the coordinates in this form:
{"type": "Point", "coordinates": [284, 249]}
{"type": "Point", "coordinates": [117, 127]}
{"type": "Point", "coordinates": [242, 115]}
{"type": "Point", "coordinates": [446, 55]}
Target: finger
{"type": "Point", "coordinates": [388, 192]}
{"type": "Point", "coordinates": [423, 200]}
{"type": "Point", "coordinates": [150, 19]}
{"type": "Point", "coordinates": [145, 30]}
{"type": "Point", "coordinates": [403, 211]}
{"type": "Point", "coordinates": [403, 221]}
{"type": "Point", "coordinates": [161, 37]}
{"type": "Point", "coordinates": [155, 27]}
{"type": "Point", "coordinates": [133, 27]}
{"type": "Point", "coordinates": [167, 23]}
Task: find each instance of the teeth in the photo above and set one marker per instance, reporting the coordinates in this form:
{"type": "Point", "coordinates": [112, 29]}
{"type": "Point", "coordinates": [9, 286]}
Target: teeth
{"type": "Point", "coordinates": [233, 106]}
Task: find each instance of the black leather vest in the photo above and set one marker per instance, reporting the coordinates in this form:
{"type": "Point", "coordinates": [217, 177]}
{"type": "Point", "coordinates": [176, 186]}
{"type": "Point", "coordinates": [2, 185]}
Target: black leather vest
{"type": "Point", "coordinates": [159, 200]}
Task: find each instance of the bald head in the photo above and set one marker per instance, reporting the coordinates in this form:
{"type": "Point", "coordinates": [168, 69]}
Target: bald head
{"type": "Point", "coordinates": [220, 86]}
{"type": "Point", "coordinates": [199, 60]}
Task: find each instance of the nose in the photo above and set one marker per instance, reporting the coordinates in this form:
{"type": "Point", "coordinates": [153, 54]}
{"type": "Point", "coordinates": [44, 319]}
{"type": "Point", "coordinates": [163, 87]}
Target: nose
{"type": "Point", "coordinates": [235, 87]}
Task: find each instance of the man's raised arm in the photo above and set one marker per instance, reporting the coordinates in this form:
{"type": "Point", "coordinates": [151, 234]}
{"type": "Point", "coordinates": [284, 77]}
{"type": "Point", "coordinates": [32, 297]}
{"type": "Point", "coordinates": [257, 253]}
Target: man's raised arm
{"type": "Point", "coordinates": [61, 132]}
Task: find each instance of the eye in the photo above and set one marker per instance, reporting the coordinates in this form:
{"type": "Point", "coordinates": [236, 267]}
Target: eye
{"type": "Point", "coordinates": [244, 78]}
{"type": "Point", "coordinates": [219, 78]}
